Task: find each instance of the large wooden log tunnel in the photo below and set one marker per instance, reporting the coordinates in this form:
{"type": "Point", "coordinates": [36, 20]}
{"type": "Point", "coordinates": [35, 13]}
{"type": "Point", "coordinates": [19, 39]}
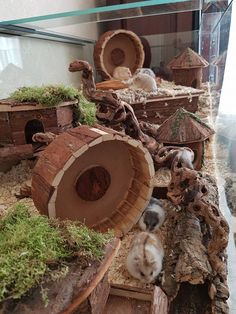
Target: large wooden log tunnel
{"type": "Point", "coordinates": [95, 175]}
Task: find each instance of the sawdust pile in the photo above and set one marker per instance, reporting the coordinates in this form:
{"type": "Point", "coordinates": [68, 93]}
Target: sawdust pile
{"type": "Point", "coordinates": [10, 183]}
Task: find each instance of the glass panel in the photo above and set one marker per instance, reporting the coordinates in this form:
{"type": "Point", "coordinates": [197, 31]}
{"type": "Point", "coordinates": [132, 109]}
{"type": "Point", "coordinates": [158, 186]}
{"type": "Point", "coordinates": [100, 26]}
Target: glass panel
{"type": "Point", "coordinates": [106, 13]}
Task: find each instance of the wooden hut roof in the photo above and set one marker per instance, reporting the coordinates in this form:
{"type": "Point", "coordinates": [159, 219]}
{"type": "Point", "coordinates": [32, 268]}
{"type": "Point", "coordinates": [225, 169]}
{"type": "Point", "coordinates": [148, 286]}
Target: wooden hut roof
{"type": "Point", "coordinates": [188, 59]}
{"type": "Point", "coordinates": [183, 127]}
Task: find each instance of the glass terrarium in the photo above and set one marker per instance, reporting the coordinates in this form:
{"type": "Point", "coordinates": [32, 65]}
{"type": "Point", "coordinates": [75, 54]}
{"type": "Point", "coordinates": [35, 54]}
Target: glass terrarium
{"type": "Point", "coordinates": [189, 48]}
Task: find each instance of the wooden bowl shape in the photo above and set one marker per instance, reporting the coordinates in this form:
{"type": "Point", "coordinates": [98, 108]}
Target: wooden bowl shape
{"type": "Point", "coordinates": [94, 175]}
{"type": "Point", "coordinates": [118, 48]}
{"type": "Point", "coordinates": [77, 292]}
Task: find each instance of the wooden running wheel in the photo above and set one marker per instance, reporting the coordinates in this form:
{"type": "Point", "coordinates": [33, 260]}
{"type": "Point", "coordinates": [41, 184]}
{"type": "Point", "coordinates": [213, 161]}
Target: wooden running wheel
{"type": "Point", "coordinates": [94, 175]}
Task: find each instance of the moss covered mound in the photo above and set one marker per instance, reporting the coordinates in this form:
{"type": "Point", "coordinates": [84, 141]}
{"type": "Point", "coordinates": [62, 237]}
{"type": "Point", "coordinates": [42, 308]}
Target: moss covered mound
{"type": "Point", "coordinates": [52, 95]}
{"type": "Point", "coordinates": [34, 248]}
{"type": "Point", "coordinates": [48, 96]}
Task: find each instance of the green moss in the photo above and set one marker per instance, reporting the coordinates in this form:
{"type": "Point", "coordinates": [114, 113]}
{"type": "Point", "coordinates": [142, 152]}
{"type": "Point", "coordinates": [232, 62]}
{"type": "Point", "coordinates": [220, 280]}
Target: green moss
{"type": "Point", "coordinates": [29, 245]}
{"type": "Point", "coordinates": [85, 111]}
{"type": "Point", "coordinates": [48, 96]}
{"type": "Point", "coordinates": [87, 241]}
{"type": "Point", "coordinates": [176, 125]}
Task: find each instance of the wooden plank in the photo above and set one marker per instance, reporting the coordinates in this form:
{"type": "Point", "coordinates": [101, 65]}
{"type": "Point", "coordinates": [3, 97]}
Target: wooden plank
{"type": "Point", "coordinates": [96, 302]}
{"type": "Point", "coordinates": [121, 305]}
{"type": "Point", "coordinates": [159, 302]}
{"type": "Point", "coordinates": [18, 120]}
{"type": "Point", "coordinates": [64, 116]}
{"type": "Point", "coordinates": [146, 290]}
{"type": "Point", "coordinates": [131, 294]}
{"type": "Point", "coordinates": [159, 109]}
{"type": "Point", "coordinates": [16, 152]}
{"type": "Point", "coordinates": [13, 154]}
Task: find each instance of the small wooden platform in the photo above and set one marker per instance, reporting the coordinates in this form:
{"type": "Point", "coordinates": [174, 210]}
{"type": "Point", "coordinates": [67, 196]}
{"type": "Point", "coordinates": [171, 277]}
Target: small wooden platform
{"type": "Point", "coordinates": [128, 300]}
{"type": "Point", "coordinates": [157, 110]}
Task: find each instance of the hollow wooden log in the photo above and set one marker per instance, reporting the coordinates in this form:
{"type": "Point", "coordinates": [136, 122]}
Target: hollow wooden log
{"type": "Point", "coordinates": [197, 193]}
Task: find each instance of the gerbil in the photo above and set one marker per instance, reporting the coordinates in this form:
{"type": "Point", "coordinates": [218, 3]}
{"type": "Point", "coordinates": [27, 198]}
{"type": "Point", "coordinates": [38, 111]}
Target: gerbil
{"type": "Point", "coordinates": [144, 260]}
{"type": "Point", "coordinates": [122, 73]}
{"type": "Point", "coordinates": [153, 216]}
{"type": "Point", "coordinates": [145, 71]}
{"type": "Point", "coordinates": [145, 82]}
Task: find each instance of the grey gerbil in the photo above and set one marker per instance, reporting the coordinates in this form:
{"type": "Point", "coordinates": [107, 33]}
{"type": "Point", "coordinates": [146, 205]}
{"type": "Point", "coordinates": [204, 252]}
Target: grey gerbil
{"type": "Point", "coordinates": [153, 216]}
{"type": "Point", "coordinates": [145, 82]}
{"type": "Point", "coordinates": [145, 71]}
{"type": "Point", "coordinates": [144, 260]}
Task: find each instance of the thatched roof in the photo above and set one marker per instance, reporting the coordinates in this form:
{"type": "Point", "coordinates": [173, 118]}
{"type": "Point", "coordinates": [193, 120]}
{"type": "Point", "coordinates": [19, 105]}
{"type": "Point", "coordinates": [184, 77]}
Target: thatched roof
{"type": "Point", "coordinates": [188, 59]}
{"type": "Point", "coordinates": [183, 127]}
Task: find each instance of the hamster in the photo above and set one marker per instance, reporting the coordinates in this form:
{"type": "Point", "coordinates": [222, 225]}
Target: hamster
{"type": "Point", "coordinates": [153, 216]}
{"type": "Point", "coordinates": [122, 73]}
{"type": "Point", "coordinates": [145, 82]}
{"type": "Point", "coordinates": [144, 260]}
{"type": "Point", "coordinates": [145, 71]}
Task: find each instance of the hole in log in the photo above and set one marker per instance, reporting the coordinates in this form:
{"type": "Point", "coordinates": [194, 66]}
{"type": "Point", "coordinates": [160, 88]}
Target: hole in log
{"type": "Point", "coordinates": [196, 207]}
{"type": "Point", "coordinates": [192, 299]}
{"type": "Point", "coordinates": [204, 189]}
{"type": "Point", "coordinates": [223, 224]}
{"type": "Point", "coordinates": [93, 183]}
{"type": "Point", "coordinates": [32, 127]}
{"type": "Point", "coordinates": [215, 211]}
{"type": "Point", "coordinates": [184, 184]}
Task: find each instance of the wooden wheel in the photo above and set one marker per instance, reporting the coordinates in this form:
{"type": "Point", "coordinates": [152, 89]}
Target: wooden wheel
{"type": "Point", "coordinates": [118, 48]}
{"type": "Point", "coordinates": [94, 175]}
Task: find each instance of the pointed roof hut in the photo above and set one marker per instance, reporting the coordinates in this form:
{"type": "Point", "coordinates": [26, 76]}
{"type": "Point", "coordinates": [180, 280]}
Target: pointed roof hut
{"type": "Point", "coordinates": [187, 68]}
{"type": "Point", "coordinates": [184, 128]}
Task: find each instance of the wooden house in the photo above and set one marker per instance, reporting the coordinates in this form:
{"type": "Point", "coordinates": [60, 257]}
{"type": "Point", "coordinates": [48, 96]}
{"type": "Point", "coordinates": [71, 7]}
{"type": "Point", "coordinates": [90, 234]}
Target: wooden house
{"type": "Point", "coordinates": [184, 128]}
{"type": "Point", "coordinates": [20, 121]}
{"type": "Point", "coordinates": [187, 68]}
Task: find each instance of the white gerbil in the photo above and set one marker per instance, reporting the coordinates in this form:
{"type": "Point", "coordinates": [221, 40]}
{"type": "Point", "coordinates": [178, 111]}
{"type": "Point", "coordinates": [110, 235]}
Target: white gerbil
{"type": "Point", "coordinates": [153, 216]}
{"type": "Point", "coordinates": [144, 260]}
{"type": "Point", "coordinates": [145, 71]}
{"type": "Point", "coordinates": [145, 82]}
{"type": "Point", "coordinates": [122, 73]}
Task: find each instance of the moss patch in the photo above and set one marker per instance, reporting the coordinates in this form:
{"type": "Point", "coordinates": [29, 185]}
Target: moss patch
{"type": "Point", "coordinates": [85, 111]}
{"type": "Point", "coordinates": [47, 96]}
{"type": "Point", "coordinates": [31, 246]}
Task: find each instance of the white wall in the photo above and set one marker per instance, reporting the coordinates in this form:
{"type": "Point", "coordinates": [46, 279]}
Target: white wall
{"type": "Point", "coordinates": [30, 62]}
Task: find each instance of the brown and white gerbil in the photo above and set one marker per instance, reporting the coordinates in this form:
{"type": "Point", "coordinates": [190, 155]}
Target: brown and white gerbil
{"type": "Point", "coordinates": [145, 82]}
{"type": "Point", "coordinates": [144, 260]}
{"type": "Point", "coordinates": [153, 216]}
{"type": "Point", "coordinates": [122, 73]}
